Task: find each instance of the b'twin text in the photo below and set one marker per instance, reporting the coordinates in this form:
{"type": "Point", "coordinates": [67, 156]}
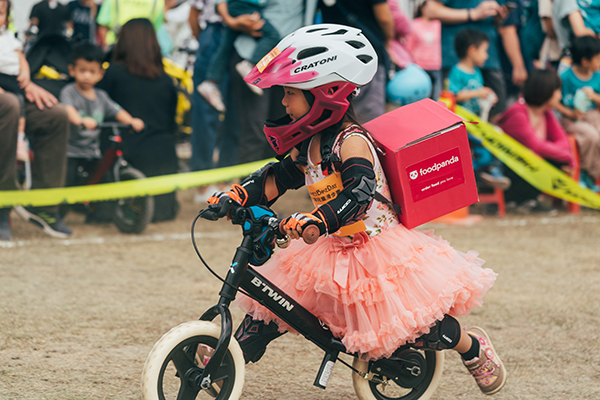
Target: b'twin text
{"type": "Point", "coordinates": [273, 294]}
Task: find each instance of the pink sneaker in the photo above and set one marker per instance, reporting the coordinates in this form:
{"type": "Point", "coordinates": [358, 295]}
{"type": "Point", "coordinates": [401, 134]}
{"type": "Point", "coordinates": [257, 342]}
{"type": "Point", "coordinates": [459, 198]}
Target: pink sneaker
{"type": "Point", "coordinates": [487, 369]}
{"type": "Point", "coordinates": [212, 94]}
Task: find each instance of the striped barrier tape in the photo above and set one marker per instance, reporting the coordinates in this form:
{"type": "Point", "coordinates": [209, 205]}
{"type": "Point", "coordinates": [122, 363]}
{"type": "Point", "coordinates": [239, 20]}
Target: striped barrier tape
{"type": "Point", "coordinates": [528, 165]}
{"type": "Point", "coordinates": [133, 188]}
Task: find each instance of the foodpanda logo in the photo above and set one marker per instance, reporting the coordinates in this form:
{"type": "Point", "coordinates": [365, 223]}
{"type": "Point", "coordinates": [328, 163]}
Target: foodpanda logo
{"type": "Point", "coordinates": [435, 167]}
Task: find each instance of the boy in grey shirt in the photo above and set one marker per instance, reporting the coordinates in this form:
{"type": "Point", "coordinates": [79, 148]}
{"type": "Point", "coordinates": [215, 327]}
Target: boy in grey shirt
{"type": "Point", "coordinates": [87, 107]}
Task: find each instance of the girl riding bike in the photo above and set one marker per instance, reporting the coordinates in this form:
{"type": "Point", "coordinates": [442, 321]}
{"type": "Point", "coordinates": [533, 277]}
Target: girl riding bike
{"type": "Point", "coordinates": [374, 283]}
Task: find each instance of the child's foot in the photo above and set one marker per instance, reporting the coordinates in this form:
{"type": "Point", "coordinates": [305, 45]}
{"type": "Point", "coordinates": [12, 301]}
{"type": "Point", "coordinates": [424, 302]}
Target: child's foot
{"type": "Point", "coordinates": [212, 94]}
{"type": "Point", "coordinates": [487, 368]}
{"type": "Point", "coordinates": [243, 68]}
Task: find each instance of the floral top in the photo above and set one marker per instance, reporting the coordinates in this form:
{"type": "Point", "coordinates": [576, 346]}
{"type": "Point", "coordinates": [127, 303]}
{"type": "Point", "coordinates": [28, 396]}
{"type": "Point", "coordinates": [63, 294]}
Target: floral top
{"type": "Point", "coordinates": [379, 216]}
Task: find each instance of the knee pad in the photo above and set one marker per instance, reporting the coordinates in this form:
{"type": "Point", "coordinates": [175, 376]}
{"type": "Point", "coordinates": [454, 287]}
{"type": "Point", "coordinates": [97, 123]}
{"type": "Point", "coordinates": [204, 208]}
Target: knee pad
{"type": "Point", "coordinates": [445, 334]}
{"type": "Point", "coordinates": [253, 337]}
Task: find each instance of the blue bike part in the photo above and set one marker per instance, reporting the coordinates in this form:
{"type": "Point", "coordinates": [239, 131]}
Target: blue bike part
{"type": "Point", "coordinates": [263, 237]}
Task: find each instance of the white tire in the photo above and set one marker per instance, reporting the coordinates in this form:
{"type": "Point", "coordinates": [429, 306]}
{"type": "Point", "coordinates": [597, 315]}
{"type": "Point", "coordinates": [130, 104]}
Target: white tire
{"type": "Point", "coordinates": [365, 390]}
{"type": "Point", "coordinates": [160, 380]}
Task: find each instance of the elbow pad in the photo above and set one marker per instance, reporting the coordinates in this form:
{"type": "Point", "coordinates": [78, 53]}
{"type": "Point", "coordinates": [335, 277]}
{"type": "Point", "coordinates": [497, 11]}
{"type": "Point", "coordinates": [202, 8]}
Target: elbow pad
{"type": "Point", "coordinates": [287, 176]}
{"type": "Point", "coordinates": [352, 203]}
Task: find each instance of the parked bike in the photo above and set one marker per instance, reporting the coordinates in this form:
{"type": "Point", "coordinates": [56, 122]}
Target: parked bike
{"type": "Point", "coordinates": [130, 215]}
{"type": "Point", "coordinates": [176, 367]}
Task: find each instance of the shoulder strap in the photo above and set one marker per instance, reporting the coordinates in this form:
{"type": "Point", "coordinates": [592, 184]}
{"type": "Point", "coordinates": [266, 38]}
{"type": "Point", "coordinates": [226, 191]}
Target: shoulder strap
{"type": "Point", "coordinates": [361, 131]}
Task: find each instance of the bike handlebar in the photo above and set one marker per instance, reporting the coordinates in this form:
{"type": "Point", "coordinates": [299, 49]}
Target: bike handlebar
{"type": "Point", "coordinates": [310, 234]}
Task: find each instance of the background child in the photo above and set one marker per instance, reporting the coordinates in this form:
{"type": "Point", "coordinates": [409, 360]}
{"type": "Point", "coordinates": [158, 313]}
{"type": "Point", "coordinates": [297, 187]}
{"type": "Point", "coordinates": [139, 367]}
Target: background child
{"type": "Point", "coordinates": [580, 90]}
{"type": "Point", "coordinates": [14, 72]}
{"type": "Point", "coordinates": [209, 89]}
{"type": "Point", "coordinates": [425, 45]}
{"type": "Point", "coordinates": [364, 278]}
{"type": "Point", "coordinates": [466, 82]}
{"type": "Point", "coordinates": [87, 107]}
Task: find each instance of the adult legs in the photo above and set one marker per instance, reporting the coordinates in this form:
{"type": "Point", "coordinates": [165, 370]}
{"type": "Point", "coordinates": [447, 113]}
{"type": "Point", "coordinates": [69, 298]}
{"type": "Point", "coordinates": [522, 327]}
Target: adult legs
{"type": "Point", "coordinates": [49, 131]}
{"type": "Point", "coordinates": [370, 102]}
{"type": "Point", "coordinates": [205, 119]}
{"type": "Point", "coordinates": [9, 120]}
{"type": "Point", "coordinates": [253, 110]}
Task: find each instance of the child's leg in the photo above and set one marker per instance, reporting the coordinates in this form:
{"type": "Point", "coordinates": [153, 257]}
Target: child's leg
{"type": "Point", "coordinates": [265, 43]}
{"type": "Point", "coordinates": [220, 60]}
{"type": "Point", "coordinates": [254, 336]}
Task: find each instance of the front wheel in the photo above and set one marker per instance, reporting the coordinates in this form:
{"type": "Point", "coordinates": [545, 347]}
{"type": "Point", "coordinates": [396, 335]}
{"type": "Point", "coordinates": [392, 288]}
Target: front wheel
{"type": "Point", "coordinates": [378, 386]}
{"type": "Point", "coordinates": [132, 215]}
{"type": "Point", "coordinates": [173, 363]}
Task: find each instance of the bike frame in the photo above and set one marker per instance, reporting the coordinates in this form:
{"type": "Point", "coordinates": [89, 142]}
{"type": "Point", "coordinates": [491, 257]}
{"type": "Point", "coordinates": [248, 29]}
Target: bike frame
{"type": "Point", "coordinates": [114, 152]}
{"type": "Point", "coordinates": [241, 275]}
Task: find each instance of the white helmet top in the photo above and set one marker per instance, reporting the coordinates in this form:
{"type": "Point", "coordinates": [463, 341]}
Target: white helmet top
{"type": "Point", "coordinates": [316, 55]}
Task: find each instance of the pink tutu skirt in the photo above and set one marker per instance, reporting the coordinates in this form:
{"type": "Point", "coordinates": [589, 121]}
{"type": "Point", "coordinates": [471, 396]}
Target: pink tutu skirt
{"type": "Point", "coordinates": [378, 293]}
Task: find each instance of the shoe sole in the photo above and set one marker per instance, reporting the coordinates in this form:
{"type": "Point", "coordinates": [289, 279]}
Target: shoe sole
{"type": "Point", "coordinates": [497, 357]}
{"type": "Point", "coordinates": [30, 217]}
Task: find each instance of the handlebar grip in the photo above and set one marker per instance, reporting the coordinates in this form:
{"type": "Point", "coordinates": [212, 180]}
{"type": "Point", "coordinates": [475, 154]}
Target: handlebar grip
{"type": "Point", "coordinates": [310, 234]}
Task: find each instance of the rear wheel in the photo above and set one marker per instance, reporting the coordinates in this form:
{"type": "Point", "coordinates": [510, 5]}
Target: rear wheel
{"type": "Point", "coordinates": [173, 367]}
{"type": "Point", "coordinates": [379, 386]}
{"type": "Point", "coordinates": [133, 214]}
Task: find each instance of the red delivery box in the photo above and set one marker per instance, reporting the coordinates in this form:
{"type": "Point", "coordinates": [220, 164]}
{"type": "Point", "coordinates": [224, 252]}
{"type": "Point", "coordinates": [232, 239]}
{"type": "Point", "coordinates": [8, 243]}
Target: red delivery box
{"type": "Point", "coordinates": [427, 160]}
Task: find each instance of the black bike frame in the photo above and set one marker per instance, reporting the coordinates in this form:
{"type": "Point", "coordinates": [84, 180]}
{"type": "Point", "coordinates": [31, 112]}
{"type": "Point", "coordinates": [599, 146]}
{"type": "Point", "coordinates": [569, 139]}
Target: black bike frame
{"type": "Point", "coordinates": [241, 275]}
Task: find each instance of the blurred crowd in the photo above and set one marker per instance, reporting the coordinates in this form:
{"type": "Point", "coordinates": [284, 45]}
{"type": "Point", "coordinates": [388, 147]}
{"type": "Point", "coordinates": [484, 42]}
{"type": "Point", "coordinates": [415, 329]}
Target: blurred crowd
{"type": "Point", "coordinates": [530, 67]}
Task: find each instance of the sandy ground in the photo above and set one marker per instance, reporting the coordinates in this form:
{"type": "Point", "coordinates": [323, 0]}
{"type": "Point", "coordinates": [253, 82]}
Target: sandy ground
{"type": "Point", "coordinates": [78, 317]}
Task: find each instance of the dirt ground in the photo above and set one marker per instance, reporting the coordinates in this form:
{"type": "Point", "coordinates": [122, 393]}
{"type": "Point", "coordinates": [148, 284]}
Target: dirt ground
{"type": "Point", "coordinates": [78, 317]}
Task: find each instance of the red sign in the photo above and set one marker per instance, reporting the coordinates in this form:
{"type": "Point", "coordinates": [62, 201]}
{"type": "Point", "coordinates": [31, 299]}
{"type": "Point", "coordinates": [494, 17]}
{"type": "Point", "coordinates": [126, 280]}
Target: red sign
{"type": "Point", "coordinates": [435, 174]}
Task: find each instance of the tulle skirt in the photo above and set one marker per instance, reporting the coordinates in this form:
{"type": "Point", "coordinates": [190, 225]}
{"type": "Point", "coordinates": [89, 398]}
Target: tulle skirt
{"type": "Point", "coordinates": [377, 293]}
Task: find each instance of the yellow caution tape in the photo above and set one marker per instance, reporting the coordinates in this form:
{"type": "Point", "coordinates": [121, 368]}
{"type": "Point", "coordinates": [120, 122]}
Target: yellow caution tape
{"type": "Point", "coordinates": [133, 188]}
{"type": "Point", "coordinates": [528, 165]}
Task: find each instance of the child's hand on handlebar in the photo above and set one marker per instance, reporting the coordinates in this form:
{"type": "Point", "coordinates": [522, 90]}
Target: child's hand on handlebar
{"type": "Point", "coordinates": [295, 224]}
{"type": "Point", "coordinates": [89, 123]}
{"type": "Point", "coordinates": [237, 194]}
{"type": "Point", "coordinates": [137, 124]}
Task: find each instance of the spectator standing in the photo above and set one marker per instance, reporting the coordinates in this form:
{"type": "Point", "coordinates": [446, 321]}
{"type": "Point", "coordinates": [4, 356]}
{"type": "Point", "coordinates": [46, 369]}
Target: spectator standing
{"type": "Point", "coordinates": [136, 80]}
{"type": "Point", "coordinates": [485, 16]}
{"type": "Point", "coordinates": [425, 46]}
{"type": "Point", "coordinates": [397, 49]}
{"type": "Point", "coordinates": [581, 97]}
{"type": "Point", "coordinates": [208, 132]}
{"type": "Point", "coordinates": [252, 110]}
{"type": "Point", "coordinates": [533, 124]}
{"type": "Point", "coordinates": [550, 52]}
{"type": "Point", "coordinates": [50, 17]}
{"type": "Point", "coordinates": [47, 123]}
{"type": "Point", "coordinates": [568, 21]}
{"type": "Point", "coordinates": [268, 38]}
{"type": "Point", "coordinates": [374, 18]}
{"type": "Point", "coordinates": [466, 82]}
{"type": "Point", "coordinates": [114, 14]}
{"type": "Point", "coordinates": [83, 15]}
{"type": "Point", "coordinates": [512, 61]}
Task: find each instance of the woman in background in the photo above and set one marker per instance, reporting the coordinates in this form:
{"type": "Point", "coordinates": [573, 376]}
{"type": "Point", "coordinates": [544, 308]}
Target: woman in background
{"type": "Point", "coordinates": [532, 123]}
{"type": "Point", "coordinates": [137, 81]}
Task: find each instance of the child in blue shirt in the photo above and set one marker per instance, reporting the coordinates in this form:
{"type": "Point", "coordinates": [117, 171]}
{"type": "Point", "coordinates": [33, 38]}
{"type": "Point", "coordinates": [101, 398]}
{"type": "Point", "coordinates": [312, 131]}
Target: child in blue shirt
{"type": "Point", "coordinates": [466, 82]}
{"type": "Point", "coordinates": [465, 79]}
{"type": "Point", "coordinates": [581, 97]}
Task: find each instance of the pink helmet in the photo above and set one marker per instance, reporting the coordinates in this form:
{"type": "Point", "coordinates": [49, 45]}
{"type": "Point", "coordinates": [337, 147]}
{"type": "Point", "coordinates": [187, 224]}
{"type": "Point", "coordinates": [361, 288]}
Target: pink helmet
{"type": "Point", "coordinates": [329, 60]}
